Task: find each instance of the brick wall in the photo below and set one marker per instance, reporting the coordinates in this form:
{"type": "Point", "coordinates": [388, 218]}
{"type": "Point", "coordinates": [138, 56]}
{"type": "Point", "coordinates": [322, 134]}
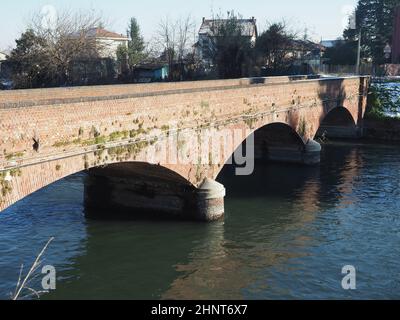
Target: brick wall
{"type": "Point", "coordinates": [74, 125]}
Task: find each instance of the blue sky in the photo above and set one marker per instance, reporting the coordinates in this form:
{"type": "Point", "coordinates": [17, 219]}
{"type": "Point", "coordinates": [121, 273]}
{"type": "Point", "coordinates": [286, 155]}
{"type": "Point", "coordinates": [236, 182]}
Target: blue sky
{"type": "Point", "coordinates": [322, 18]}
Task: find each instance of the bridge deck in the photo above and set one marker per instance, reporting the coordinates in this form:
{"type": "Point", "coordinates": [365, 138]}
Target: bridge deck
{"type": "Point", "coordinates": [54, 96]}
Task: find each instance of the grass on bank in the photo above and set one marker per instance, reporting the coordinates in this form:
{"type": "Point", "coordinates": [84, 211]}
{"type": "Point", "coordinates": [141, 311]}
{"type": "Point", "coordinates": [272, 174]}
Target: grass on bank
{"type": "Point", "coordinates": [383, 99]}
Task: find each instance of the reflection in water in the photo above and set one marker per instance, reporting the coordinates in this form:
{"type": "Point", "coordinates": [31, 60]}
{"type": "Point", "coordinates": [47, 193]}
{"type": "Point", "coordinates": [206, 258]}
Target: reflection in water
{"type": "Point", "coordinates": [288, 232]}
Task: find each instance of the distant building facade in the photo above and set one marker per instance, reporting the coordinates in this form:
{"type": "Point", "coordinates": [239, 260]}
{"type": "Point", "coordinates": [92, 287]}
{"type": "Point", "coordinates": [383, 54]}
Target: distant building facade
{"type": "Point", "coordinates": [146, 73]}
{"type": "Point", "coordinates": [206, 35]}
{"type": "Point", "coordinates": [307, 55]}
{"type": "Point", "coordinates": [108, 41]}
{"type": "Point", "coordinates": [104, 68]}
{"type": "Point", "coordinates": [3, 57]}
{"type": "Point", "coordinates": [331, 43]}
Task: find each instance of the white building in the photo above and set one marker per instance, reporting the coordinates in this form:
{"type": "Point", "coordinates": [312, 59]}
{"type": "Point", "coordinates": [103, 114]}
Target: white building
{"type": "Point", "coordinates": [207, 32]}
{"type": "Point", "coordinates": [108, 41]}
{"type": "Point", "coordinates": [3, 57]}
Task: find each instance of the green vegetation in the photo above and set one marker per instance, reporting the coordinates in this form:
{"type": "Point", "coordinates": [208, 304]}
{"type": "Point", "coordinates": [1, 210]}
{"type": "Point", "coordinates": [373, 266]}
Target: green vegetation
{"type": "Point", "coordinates": [100, 139]}
{"type": "Point", "coordinates": [375, 19]}
{"type": "Point", "coordinates": [5, 185]}
{"type": "Point", "coordinates": [11, 156]}
{"type": "Point", "coordinates": [381, 100]}
{"type": "Point", "coordinates": [61, 144]}
{"type": "Point", "coordinates": [251, 122]}
{"type": "Point", "coordinates": [128, 152]}
{"type": "Point", "coordinates": [204, 104]}
{"type": "Point", "coordinates": [302, 130]}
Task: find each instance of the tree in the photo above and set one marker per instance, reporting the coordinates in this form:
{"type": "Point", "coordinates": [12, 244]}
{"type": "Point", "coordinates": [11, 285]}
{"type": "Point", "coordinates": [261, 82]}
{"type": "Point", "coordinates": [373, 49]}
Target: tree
{"type": "Point", "coordinates": [375, 20]}
{"type": "Point", "coordinates": [136, 45]}
{"type": "Point", "coordinates": [167, 41]}
{"type": "Point", "coordinates": [123, 58]}
{"type": "Point", "coordinates": [274, 48]}
{"type": "Point", "coordinates": [45, 52]}
{"type": "Point", "coordinates": [230, 50]}
{"type": "Point", "coordinates": [29, 61]}
{"type": "Point", "coordinates": [174, 42]}
{"type": "Point", "coordinates": [343, 53]}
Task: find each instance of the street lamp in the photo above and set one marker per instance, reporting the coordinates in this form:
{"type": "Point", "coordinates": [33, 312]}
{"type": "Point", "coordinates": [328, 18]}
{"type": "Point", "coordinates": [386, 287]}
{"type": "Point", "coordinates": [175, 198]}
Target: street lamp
{"type": "Point", "coordinates": [387, 51]}
{"type": "Point", "coordinates": [353, 26]}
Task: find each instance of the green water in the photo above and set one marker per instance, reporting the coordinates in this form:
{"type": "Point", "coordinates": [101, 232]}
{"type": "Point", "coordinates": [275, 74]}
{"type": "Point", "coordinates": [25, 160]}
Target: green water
{"type": "Point", "coordinates": [287, 234]}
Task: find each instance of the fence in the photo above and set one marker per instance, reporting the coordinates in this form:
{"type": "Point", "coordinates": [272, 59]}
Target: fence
{"type": "Point", "coordinates": [365, 69]}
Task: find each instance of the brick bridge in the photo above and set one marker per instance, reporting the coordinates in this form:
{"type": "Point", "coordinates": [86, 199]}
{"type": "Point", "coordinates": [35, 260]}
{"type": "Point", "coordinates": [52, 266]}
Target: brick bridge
{"type": "Point", "coordinates": [160, 147]}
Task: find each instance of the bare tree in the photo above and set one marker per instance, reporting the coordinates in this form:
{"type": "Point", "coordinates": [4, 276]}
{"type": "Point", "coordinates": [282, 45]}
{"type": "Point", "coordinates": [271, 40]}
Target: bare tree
{"type": "Point", "coordinates": [69, 37]}
{"type": "Point", "coordinates": [186, 31]}
{"type": "Point", "coordinates": [173, 38]}
{"type": "Point", "coordinates": [57, 40]}
{"type": "Point", "coordinates": [167, 41]}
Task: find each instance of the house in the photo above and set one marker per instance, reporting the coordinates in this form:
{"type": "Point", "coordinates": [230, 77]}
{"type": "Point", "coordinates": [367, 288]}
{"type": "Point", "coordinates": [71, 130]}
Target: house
{"type": "Point", "coordinates": [92, 71]}
{"type": "Point", "coordinates": [330, 43]}
{"type": "Point", "coordinates": [207, 33]}
{"type": "Point", "coordinates": [108, 41]}
{"type": "Point", "coordinates": [5, 72]}
{"type": "Point", "coordinates": [3, 57]}
{"type": "Point", "coordinates": [292, 57]}
{"type": "Point", "coordinates": [104, 68]}
{"type": "Point", "coordinates": [307, 54]}
{"type": "Point", "coordinates": [151, 72]}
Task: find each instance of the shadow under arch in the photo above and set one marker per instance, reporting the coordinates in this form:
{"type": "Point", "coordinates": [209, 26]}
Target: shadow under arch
{"type": "Point", "coordinates": [274, 142]}
{"type": "Point", "coordinates": [122, 190]}
{"type": "Point", "coordinates": [279, 142]}
{"type": "Point", "coordinates": [276, 135]}
{"type": "Point", "coordinates": [156, 174]}
{"type": "Point", "coordinates": [338, 123]}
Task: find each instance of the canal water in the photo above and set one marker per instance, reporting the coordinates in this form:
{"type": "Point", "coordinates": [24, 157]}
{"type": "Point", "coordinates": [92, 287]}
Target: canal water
{"type": "Point", "coordinates": [288, 232]}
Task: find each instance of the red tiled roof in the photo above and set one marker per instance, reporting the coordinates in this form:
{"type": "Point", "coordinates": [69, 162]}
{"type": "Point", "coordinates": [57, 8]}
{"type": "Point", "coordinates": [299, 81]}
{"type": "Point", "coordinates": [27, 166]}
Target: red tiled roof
{"type": "Point", "coordinates": [103, 33]}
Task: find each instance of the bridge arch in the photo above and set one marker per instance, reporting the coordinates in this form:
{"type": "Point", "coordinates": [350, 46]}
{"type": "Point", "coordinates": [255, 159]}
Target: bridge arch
{"type": "Point", "coordinates": [136, 189]}
{"type": "Point", "coordinates": [273, 142]}
{"type": "Point", "coordinates": [19, 183]}
{"type": "Point", "coordinates": [277, 142]}
{"type": "Point", "coordinates": [338, 123]}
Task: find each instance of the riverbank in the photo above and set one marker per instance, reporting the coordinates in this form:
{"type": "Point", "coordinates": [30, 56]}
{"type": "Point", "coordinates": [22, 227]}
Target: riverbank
{"type": "Point", "coordinates": [386, 129]}
{"type": "Point", "coordinates": [382, 119]}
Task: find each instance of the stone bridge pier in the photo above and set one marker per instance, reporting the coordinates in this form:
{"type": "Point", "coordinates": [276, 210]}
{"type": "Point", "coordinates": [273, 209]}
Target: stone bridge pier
{"type": "Point", "coordinates": [156, 150]}
{"type": "Point", "coordinates": [145, 191]}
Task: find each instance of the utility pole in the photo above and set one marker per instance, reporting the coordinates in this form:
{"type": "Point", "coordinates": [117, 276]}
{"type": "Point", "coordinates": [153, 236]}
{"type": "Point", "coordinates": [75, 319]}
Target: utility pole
{"type": "Point", "coordinates": [359, 54]}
